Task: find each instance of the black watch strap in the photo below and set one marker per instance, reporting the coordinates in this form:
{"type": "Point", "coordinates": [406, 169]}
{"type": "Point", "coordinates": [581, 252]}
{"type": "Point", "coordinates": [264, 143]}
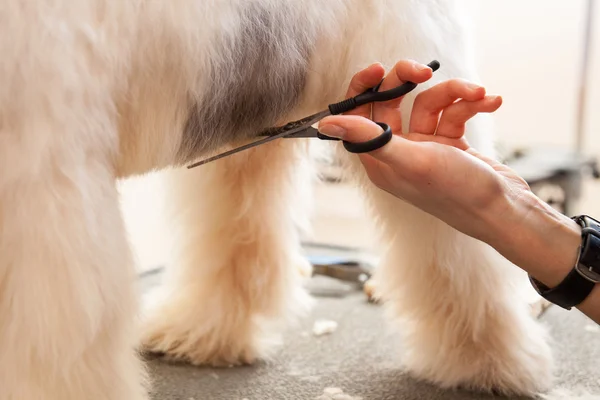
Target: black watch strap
{"type": "Point", "coordinates": [573, 290]}
{"type": "Point", "coordinates": [582, 279]}
{"type": "Point", "coordinates": [589, 258]}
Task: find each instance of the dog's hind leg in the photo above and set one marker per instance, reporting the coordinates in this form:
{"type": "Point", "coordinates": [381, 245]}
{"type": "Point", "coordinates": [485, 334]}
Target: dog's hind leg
{"type": "Point", "coordinates": [236, 279]}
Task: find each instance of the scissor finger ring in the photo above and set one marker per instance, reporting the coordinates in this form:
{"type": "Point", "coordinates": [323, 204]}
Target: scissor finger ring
{"type": "Point", "coordinates": [373, 144]}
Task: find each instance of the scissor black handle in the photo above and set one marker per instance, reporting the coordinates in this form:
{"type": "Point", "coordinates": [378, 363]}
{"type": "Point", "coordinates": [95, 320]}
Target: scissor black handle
{"type": "Point", "coordinates": [372, 95]}
{"type": "Point", "coordinates": [369, 145]}
{"type": "Point", "coordinates": [373, 144]}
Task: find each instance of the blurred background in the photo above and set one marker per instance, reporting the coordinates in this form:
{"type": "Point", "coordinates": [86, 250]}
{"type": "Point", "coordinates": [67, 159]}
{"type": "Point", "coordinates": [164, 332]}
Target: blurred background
{"type": "Point", "coordinates": [530, 52]}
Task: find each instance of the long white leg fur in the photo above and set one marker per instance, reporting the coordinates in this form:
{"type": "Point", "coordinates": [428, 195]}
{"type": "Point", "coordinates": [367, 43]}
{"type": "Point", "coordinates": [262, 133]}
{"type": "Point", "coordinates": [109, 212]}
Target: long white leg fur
{"type": "Point", "coordinates": [67, 304]}
{"type": "Point", "coordinates": [238, 269]}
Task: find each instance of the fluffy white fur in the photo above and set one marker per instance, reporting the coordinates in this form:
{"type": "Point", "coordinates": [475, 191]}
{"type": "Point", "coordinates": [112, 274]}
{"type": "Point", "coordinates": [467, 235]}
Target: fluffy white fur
{"type": "Point", "coordinates": [94, 90]}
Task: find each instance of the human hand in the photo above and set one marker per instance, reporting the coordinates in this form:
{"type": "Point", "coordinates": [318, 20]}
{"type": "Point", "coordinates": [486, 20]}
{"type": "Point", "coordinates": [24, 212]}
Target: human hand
{"type": "Point", "coordinates": [431, 166]}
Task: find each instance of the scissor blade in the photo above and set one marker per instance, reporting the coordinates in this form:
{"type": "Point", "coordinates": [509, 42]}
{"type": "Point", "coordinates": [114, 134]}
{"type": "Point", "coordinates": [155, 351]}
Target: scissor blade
{"type": "Point", "coordinates": [307, 132]}
{"type": "Point", "coordinates": [288, 129]}
{"type": "Point", "coordinates": [296, 126]}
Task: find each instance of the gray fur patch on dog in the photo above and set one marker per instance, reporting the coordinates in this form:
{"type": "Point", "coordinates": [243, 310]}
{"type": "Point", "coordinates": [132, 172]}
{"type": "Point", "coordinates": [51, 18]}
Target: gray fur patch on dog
{"type": "Point", "coordinates": [259, 77]}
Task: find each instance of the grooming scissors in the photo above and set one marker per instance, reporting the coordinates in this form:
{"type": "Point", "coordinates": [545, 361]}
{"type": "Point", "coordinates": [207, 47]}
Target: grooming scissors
{"type": "Point", "coordinates": [303, 128]}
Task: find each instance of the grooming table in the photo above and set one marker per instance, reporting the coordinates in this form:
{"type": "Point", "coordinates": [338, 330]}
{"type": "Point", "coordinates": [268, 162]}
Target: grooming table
{"type": "Point", "coordinates": [362, 358]}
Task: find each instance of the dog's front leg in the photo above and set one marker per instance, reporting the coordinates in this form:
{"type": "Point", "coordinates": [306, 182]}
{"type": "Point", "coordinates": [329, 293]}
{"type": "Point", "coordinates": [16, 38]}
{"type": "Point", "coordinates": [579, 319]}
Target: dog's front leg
{"type": "Point", "coordinates": [67, 305]}
{"type": "Point", "coordinates": [455, 301]}
{"type": "Point", "coordinates": [236, 279]}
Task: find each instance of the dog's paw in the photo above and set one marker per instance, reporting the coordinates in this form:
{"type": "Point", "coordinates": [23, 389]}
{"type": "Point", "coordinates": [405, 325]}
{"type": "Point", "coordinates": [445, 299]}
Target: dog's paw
{"type": "Point", "coordinates": [198, 347]}
{"type": "Point", "coordinates": [219, 340]}
{"type": "Point", "coordinates": [226, 319]}
{"type": "Point", "coordinates": [504, 358]}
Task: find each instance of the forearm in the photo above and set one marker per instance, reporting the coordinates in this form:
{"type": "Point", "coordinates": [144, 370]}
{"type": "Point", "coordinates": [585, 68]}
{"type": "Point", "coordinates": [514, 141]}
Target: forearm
{"type": "Point", "coordinates": [541, 241]}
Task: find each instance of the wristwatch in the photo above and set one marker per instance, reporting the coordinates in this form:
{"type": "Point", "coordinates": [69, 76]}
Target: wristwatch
{"type": "Point", "coordinates": [584, 276]}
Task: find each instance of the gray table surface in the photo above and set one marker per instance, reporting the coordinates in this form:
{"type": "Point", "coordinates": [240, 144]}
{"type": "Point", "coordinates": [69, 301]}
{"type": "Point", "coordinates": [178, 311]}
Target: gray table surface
{"type": "Point", "coordinates": [361, 358]}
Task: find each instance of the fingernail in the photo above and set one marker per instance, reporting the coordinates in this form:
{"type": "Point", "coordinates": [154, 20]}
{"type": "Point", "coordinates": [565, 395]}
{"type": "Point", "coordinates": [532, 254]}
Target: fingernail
{"type": "Point", "coordinates": [332, 130]}
{"type": "Point", "coordinates": [421, 67]}
{"type": "Point", "coordinates": [496, 99]}
{"type": "Point", "coordinates": [474, 86]}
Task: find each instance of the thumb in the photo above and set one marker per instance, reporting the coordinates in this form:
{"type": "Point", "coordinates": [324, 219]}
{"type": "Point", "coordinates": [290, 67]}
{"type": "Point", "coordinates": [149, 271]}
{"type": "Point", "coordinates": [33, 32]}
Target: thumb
{"type": "Point", "coordinates": [357, 129]}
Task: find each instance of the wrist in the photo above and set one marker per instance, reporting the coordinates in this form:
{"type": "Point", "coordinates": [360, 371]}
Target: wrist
{"type": "Point", "coordinates": [536, 237]}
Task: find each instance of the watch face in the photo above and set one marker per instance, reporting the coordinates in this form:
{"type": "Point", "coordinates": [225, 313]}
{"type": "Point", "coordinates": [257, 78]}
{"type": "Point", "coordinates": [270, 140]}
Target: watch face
{"type": "Point", "coordinates": [588, 273]}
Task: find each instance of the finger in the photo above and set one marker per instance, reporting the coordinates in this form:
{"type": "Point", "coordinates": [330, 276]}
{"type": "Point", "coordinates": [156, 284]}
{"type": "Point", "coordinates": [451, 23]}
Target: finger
{"type": "Point", "coordinates": [357, 129]}
{"type": "Point", "coordinates": [361, 81]}
{"type": "Point", "coordinates": [429, 103]}
{"type": "Point", "coordinates": [403, 71]}
{"type": "Point", "coordinates": [453, 120]}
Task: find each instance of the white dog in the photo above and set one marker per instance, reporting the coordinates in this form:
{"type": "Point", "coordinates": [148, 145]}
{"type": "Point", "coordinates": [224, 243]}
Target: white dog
{"type": "Point", "coordinates": [94, 90]}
